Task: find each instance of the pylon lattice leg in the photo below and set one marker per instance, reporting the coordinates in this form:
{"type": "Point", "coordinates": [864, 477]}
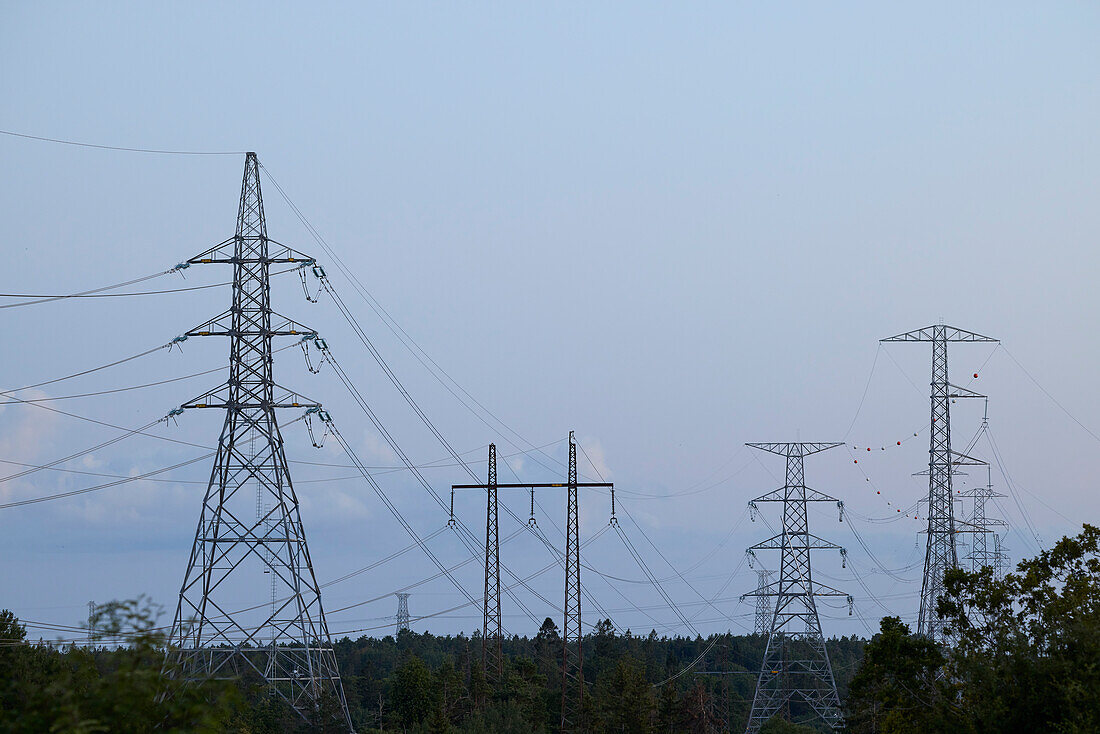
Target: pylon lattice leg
{"type": "Point", "coordinates": [492, 654]}
{"type": "Point", "coordinates": [572, 669]}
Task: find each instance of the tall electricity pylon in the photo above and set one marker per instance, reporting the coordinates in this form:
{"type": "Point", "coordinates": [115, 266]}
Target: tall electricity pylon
{"type": "Point", "coordinates": [763, 602]}
{"type": "Point", "coordinates": [572, 663]}
{"type": "Point", "coordinates": [402, 612]}
{"type": "Point", "coordinates": [285, 645]}
{"type": "Point", "coordinates": [941, 553]}
{"type": "Point", "coordinates": [492, 654]}
{"type": "Point", "coordinates": [796, 665]}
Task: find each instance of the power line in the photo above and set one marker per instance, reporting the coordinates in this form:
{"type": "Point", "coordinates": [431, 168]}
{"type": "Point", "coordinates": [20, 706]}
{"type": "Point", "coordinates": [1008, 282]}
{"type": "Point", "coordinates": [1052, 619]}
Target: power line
{"type": "Point", "coordinates": [863, 397]}
{"type": "Point", "coordinates": [402, 335]}
{"type": "Point", "coordinates": [119, 147]}
{"type": "Point", "coordinates": [97, 292]}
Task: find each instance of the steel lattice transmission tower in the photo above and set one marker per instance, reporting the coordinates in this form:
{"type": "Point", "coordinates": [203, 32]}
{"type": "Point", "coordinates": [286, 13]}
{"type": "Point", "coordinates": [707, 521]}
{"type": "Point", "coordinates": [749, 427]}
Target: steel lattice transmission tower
{"type": "Point", "coordinates": [985, 546]}
{"type": "Point", "coordinates": [283, 642]}
{"type": "Point", "coordinates": [572, 663]}
{"type": "Point", "coordinates": [764, 605]}
{"type": "Point", "coordinates": [941, 553]}
{"type": "Point", "coordinates": [796, 666]}
{"type": "Point", "coordinates": [492, 655]}
{"type": "Point", "coordinates": [402, 612]}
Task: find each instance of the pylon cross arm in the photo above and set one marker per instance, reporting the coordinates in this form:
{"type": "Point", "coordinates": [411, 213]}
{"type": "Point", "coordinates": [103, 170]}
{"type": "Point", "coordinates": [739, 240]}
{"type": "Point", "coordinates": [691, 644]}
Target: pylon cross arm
{"type": "Point", "coordinates": [955, 391]}
{"type": "Point", "coordinates": [793, 449]}
{"type": "Point", "coordinates": [795, 541]}
{"type": "Point", "coordinates": [960, 459]}
{"type": "Point", "coordinates": [779, 495]}
{"type": "Point", "coordinates": [950, 333]}
{"type": "Point", "coordinates": [222, 325]}
{"type": "Point", "coordinates": [225, 252]}
{"type": "Point", "coordinates": [220, 397]}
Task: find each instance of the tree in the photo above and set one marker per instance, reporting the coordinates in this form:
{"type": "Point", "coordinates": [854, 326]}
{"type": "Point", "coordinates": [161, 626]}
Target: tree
{"type": "Point", "coordinates": [623, 699]}
{"type": "Point", "coordinates": [1028, 645]}
{"type": "Point", "coordinates": [130, 689]}
{"type": "Point", "coordinates": [899, 686]}
{"type": "Point", "coordinates": [1025, 656]}
{"type": "Point", "coordinates": [697, 711]}
{"type": "Point", "coordinates": [413, 694]}
{"type": "Point", "coordinates": [548, 630]}
{"type": "Point", "coordinates": [668, 709]}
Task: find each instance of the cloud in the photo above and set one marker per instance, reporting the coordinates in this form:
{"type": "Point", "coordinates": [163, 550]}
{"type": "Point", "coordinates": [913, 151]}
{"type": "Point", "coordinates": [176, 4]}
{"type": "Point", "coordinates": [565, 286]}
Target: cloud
{"type": "Point", "coordinates": [23, 434]}
{"type": "Point", "coordinates": [516, 463]}
{"type": "Point", "coordinates": [377, 450]}
{"type": "Point", "coordinates": [593, 450]}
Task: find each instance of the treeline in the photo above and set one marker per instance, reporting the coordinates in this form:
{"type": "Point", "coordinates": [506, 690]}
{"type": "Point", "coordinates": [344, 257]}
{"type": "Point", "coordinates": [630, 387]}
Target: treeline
{"type": "Point", "coordinates": [1025, 657]}
{"type": "Point", "coordinates": [635, 683]}
{"type": "Point", "coordinates": [414, 682]}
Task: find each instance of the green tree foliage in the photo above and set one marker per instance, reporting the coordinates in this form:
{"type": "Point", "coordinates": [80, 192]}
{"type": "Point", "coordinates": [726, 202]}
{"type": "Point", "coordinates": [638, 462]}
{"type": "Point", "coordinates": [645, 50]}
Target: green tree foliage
{"type": "Point", "coordinates": [44, 689]}
{"type": "Point", "coordinates": [412, 683]}
{"type": "Point", "coordinates": [1025, 659]}
{"type": "Point", "coordinates": [624, 700]}
{"type": "Point", "coordinates": [414, 692]}
{"type": "Point", "coordinates": [900, 685]}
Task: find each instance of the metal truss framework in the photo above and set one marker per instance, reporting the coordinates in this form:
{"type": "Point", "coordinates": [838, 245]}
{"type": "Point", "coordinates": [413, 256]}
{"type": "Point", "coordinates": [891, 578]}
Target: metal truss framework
{"type": "Point", "coordinates": [492, 654]}
{"type": "Point", "coordinates": [985, 545]}
{"type": "Point", "coordinates": [250, 520]}
{"type": "Point", "coordinates": [572, 663]}
{"type": "Point", "coordinates": [941, 553]}
{"type": "Point", "coordinates": [572, 653]}
{"type": "Point", "coordinates": [796, 664]}
{"type": "Point", "coordinates": [402, 612]}
{"type": "Point", "coordinates": [763, 602]}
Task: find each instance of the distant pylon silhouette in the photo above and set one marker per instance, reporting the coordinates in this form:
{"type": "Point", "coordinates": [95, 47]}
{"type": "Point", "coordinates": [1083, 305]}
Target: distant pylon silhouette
{"type": "Point", "coordinates": [764, 604]}
{"type": "Point", "coordinates": [796, 666]}
{"type": "Point", "coordinates": [984, 530]}
{"type": "Point", "coordinates": [286, 644]}
{"type": "Point", "coordinates": [402, 612]}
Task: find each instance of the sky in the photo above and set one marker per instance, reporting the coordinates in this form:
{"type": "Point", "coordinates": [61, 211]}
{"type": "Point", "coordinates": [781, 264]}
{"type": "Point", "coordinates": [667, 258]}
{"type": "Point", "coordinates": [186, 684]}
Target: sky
{"type": "Point", "coordinates": [672, 228]}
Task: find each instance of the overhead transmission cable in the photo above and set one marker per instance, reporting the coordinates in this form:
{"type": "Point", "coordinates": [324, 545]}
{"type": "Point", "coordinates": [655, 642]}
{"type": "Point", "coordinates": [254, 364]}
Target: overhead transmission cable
{"type": "Point", "coordinates": [39, 298]}
{"type": "Point", "coordinates": [465, 534]}
{"type": "Point", "coordinates": [402, 335]}
{"type": "Point", "coordinates": [96, 488]}
{"type": "Point", "coordinates": [158, 151]}
{"type": "Point", "coordinates": [394, 511]}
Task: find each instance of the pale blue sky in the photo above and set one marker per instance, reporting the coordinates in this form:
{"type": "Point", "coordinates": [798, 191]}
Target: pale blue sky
{"type": "Point", "coordinates": [674, 228]}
